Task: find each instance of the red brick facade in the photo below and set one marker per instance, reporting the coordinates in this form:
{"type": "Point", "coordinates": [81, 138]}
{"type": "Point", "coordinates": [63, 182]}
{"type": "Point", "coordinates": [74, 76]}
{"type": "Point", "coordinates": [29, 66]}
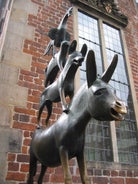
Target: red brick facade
{"type": "Point", "coordinates": [49, 15]}
{"type": "Point", "coordinates": [131, 37]}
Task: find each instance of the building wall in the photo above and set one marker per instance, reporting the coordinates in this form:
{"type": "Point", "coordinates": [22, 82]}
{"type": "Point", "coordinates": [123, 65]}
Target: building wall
{"type": "Point", "coordinates": [22, 81]}
{"type": "Point", "coordinates": [131, 37]}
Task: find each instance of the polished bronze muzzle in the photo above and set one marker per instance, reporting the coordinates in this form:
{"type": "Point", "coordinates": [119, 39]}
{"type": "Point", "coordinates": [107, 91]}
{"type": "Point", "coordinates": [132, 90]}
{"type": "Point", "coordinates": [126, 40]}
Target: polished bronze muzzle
{"type": "Point", "coordinates": [118, 110]}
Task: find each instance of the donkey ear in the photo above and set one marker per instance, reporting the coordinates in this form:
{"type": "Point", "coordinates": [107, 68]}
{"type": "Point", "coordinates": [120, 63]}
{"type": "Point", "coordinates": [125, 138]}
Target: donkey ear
{"type": "Point", "coordinates": [73, 46]}
{"type": "Point", "coordinates": [91, 71]}
{"type": "Point", "coordinates": [110, 70]}
{"type": "Point", "coordinates": [84, 50]}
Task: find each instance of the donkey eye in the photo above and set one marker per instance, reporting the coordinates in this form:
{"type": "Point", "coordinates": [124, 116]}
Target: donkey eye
{"type": "Point", "coordinates": [99, 92]}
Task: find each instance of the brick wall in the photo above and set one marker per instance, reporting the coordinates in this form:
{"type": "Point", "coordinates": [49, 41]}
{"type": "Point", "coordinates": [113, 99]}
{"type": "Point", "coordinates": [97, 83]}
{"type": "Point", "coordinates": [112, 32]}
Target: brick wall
{"type": "Point", "coordinates": [23, 51]}
{"type": "Point", "coordinates": [130, 9]}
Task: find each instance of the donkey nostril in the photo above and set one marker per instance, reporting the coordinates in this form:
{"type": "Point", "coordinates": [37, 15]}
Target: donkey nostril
{"type": "Point", "coordinates": [118, 103]}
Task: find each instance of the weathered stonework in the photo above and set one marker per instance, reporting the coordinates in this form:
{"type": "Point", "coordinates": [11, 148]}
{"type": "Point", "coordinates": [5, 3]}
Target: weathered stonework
{"type": "Point", "coordinates": [9, 143]}
{"type": "Point", "coordinates": [11, 94]}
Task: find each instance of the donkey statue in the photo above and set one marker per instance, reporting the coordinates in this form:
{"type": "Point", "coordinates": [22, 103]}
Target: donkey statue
{"type": "Point", "coordinates": [65, 139]}
{"type": "Point", "coordinates": [64, 85]}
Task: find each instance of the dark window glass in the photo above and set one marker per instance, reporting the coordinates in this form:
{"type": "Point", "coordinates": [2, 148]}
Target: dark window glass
{"type": "Point", "coordinates": [98, 141]}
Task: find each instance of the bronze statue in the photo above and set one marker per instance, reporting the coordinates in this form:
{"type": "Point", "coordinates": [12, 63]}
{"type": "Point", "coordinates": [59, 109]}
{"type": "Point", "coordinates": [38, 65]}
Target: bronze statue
{"type": "Point", "coordinates": [59, 34]}
{"type": "Point", "coordinates": [64, 85]}
{"type": "Point", "coordinates": [56, 63]}
{"type": "Point", "coordinates": [66, 137]}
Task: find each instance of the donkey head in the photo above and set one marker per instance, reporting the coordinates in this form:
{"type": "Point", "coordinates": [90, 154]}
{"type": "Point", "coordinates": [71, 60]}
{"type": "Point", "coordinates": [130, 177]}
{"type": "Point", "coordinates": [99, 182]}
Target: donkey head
{"type": "Point", "coordinates": [105, 105]}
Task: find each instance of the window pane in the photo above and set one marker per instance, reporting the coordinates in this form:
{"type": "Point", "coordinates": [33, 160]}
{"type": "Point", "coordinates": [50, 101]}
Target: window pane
{"type": "Point", "coordinates": [126, 131]}
{"type": "Point", "coordinates": [98, 139]}
{"type": "Point", "coordinates": [89, 34]}
{"type": "Point", "coordinates": [112, 39]}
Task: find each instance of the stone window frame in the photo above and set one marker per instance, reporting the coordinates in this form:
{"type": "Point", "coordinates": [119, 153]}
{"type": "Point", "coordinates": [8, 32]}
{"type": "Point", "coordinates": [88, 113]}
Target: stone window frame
{"type": "Point", "coordinates": [5, 9]}
{"type": "Point", "coordinates": [120, 27]}
{"type": "Point", "coordinates": [107, 8]}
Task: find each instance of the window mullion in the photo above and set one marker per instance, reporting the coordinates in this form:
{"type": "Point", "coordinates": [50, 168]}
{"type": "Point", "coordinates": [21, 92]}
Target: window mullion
{"type": "Point", "coordinates": [103, 48]}
{"type": "Point", "coordinates": [114, 142]}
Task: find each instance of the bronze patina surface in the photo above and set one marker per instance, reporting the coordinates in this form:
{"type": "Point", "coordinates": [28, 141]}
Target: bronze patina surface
{"type": "Point", "coordinates": [65, 139]}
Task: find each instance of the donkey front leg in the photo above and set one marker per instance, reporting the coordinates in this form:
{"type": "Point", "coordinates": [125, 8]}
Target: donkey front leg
{"type": "Point", "coordinates": [65, 165]}
{"type": "Point", "coordinates": [63, 99]}
{"type": "Point", "coordinates": [43, 170]}
{"type": "Point", "coordinates": [32, 167]}
{"type": "Point", "coordinates": [82, 168]}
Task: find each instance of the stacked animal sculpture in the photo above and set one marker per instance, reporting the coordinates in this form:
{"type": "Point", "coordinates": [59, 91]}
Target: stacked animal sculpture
{"type": "Point", "coordinates": [64, 85]}
{"type": "Point", "coordinates": [65, 139]}
{"type": "Point", "coordinates": [56, 63]}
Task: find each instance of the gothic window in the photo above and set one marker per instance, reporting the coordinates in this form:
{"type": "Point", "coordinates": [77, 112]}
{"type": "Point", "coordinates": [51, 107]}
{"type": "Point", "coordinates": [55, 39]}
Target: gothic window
{"type": "Point", "coordinates": [105, 139]}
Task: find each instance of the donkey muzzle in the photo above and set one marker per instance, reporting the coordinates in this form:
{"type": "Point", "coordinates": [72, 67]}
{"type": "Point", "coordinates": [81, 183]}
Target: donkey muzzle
{"type": "Point", "coordinates": [118, 110]}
